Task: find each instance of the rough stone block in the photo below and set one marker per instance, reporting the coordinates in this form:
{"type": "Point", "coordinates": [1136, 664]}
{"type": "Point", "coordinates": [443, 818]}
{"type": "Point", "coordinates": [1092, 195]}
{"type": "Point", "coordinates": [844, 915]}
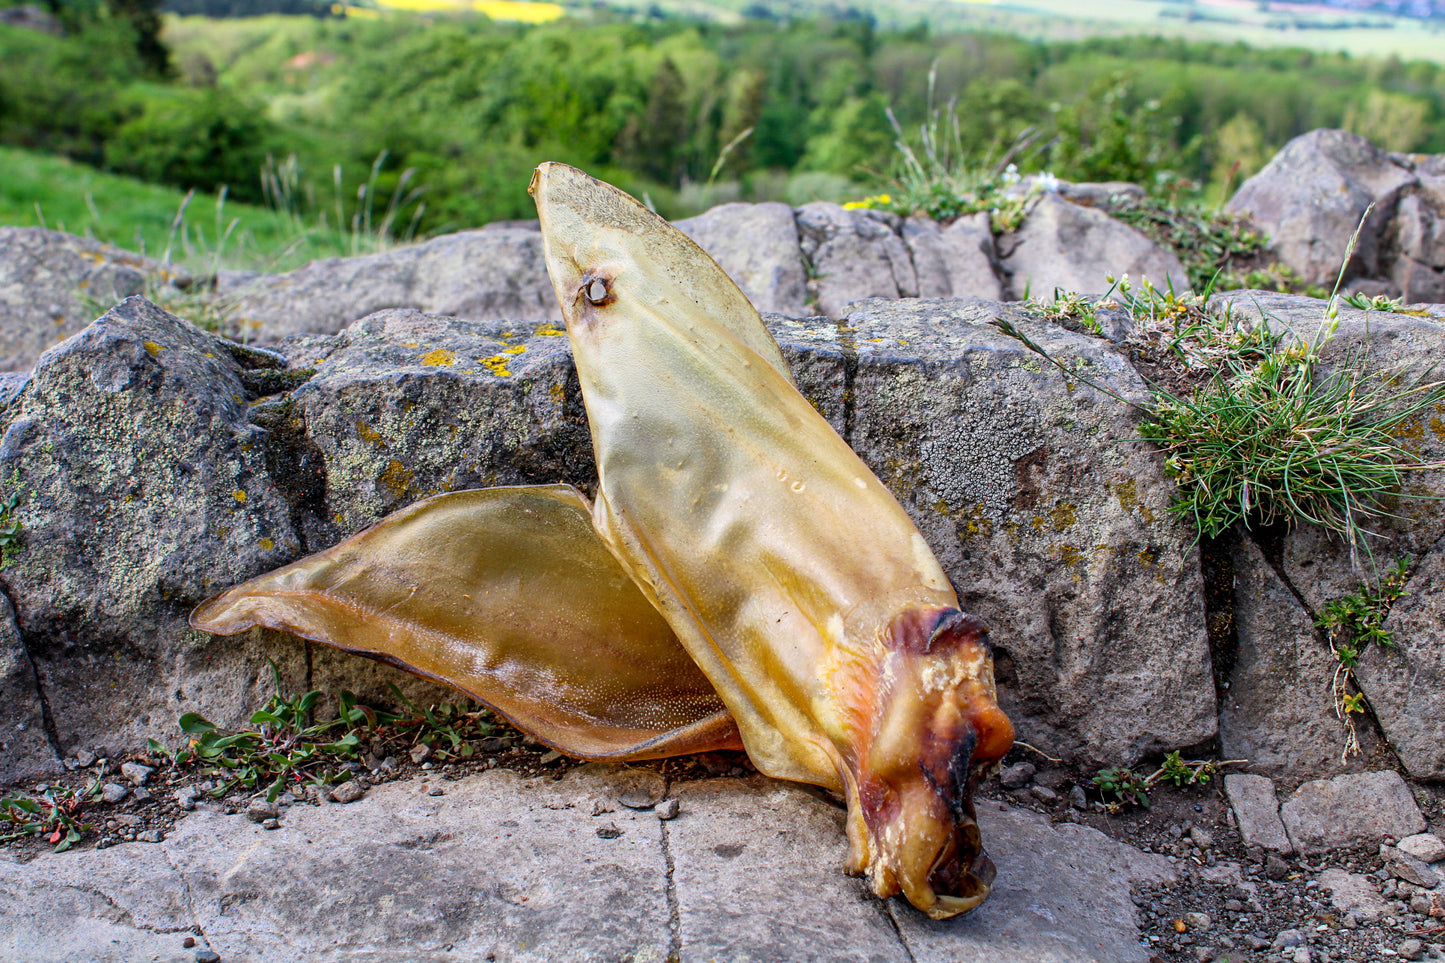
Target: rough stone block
{"type": "Point", "coordinates": [1071, 248]}
{"type": "Point", "coordinates": [1347, 810]}
{"type": "Point", "coordinates": [1257, 809]}
{"type": "Point", "coordinates": [757, 245]}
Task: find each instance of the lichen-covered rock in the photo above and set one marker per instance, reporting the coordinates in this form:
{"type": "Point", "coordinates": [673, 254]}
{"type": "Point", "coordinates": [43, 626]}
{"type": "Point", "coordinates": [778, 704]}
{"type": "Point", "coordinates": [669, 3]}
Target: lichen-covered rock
{"type": "Point", "coordinates": [142, 489]}
{"type": "Point", "coordinates": [757, 245]}
{"type": "Point", "coordinates": [403, 405]}
{"type": "Point", "coordinates": [1050, 516]}
{"type": "Point", "coordinates": [1278, 709]}
{"type": "Point", "coordinates": [54, 284]}
{"type": "Point", "coordinates": [1311, 195]}
{"type": "Point", "coordinates": [853, 255]}
{"type": "Point", "coordinates": [25, 749]}
{"type": "Point", "coordinates": [1064, 246]}
{"type": "Point", "coordinates": [494, 272]}
{"type": "Point", "coordinates": [956, 261]}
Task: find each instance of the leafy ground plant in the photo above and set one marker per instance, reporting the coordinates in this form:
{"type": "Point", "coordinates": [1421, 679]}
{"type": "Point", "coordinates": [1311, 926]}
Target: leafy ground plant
{"type": "Point", "coordinates": [1121, 786]}
{"type": "Point", "coordinates": [282, 747]}
{"type": "Point", "coordinates": [55, 813]}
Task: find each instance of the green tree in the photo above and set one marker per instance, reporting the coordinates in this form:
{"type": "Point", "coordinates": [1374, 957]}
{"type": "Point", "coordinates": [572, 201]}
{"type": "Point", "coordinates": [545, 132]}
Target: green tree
{"type": "Point", "coordinates": [652, 141]}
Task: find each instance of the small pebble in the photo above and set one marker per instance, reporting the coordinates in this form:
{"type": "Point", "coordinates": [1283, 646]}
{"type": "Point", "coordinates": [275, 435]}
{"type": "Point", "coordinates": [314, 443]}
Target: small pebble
{"type": "Point", "coordinates": [1198, 922]}
{"type": "Point", "coordinates": [186, 798]}
{"type": "Point", "coordinates": [188, 942]}
{"type": "Point", "coordinates": [140, 794]}
{"type": "Point", "coordinates": [271, 824]}
{"type": "Point", "coordinates": [1275, 868]}
{"type": "Point", "coordinates": [609, 831]}
{"type": "Point", "coordinates": [113, 792]}
{"type": "Point", "coordinates": [84, 758]}
{"type": "Point", "coordinates": [550, 758]}
{"type": "Point", "coordinates": [1044, 793]}
{"type": "Point", "coordinates": [1077, 799]}
{"type": "Point", "coordinates": [1411, 949]}
{"type": "Point", "coordinates": [668, 809]}
{"type": "Point", "coordinates": [1017, 776]}
{"type": "Point", "coordinates": [436, 791]}
{"type": "Point", "coordinates": [150, 836]}
{"type": "Point", "coordinates": [1201, 838]}
{"type": "Point", "coordinates": [137, 774]}
{"type": "Point", "coordinates": [420, 753]}
{"type": "Point", "coordinates": [348, 792]}
{"type": "Point", "coordinates": [207, 956]}
{"type": "Point", "coordinates": [638, 799]}
{"type": "Point", "coordinates": [260, 810]}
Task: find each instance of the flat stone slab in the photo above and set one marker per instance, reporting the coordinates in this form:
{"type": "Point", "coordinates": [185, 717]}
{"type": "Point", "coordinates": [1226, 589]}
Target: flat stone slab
{"type": "Point", "coordinates": [1361, 807]}
{"type": "Point", "coordinates": [1257, 810]}
{"type": "Point", "coordinates": [514, 869]}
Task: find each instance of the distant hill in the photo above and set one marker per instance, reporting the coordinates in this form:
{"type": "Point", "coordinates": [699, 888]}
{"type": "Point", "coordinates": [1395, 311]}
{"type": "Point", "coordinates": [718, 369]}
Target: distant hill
{"type": "Point", "coordinates": [1423, 9]}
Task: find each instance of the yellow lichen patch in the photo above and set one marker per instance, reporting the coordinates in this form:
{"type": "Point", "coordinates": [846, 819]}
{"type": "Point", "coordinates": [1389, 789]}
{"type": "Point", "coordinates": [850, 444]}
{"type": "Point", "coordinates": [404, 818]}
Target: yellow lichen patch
{"type": "Point", "coordinates": [1068, 554]}
{"type": "Point", "coordinates": [549, 330]}
{"type": "Point", "coordinates": [153, 348]}
{"type": "Point", "coordinates": [1063, 516]}
{"type": "Point", "coordinates": [497, 365]}
{"type": "Point", "coordinates": [239, 496]}
{"type": "Point", "coordinates": [397, 478]}
{"type": "Point", "coordinates": [1437, 427]}
{"type": "Point", "coordinates": [557, 392]}
{"type": "Point", "coordinates": [1128, 494]}
{"type": "Point", "coordinates": [515, 349]}
{"type": "Point", "coordinates": [438, 358]}
{"type": "Point", "coordinates": [367, 433]}
{"type": "Point", "coordinates": [266, 544]}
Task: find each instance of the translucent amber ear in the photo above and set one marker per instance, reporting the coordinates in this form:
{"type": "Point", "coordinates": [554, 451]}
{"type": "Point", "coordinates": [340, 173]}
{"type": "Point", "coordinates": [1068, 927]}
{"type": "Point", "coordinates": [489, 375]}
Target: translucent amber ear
{"type": "Point", "coordinates": [508, 595]}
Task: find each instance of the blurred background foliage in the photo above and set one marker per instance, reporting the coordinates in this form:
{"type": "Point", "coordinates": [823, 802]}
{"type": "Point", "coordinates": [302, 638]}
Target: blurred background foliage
{"type": "Point", "coordinates": [684, 113]}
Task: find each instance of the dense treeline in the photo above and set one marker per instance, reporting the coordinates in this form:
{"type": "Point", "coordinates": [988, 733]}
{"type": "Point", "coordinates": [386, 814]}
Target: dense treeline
{"type": "Point", "coordinates": [794, 110]}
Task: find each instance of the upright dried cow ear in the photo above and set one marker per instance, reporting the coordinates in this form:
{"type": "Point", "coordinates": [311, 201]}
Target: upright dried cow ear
{"type": "Point", "coordinates": [790, 573]}
{"type": "Point", "coordinates": [508, 595]}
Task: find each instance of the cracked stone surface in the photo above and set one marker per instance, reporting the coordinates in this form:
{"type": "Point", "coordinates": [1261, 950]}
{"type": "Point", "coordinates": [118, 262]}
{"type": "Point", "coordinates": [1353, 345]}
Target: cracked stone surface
{"type": "Point", "coordinates": [1278, 711]}
{"type": "Point", "coordinates": [514, 867]}
{"type": "Point", "coordinates": [25, 749]}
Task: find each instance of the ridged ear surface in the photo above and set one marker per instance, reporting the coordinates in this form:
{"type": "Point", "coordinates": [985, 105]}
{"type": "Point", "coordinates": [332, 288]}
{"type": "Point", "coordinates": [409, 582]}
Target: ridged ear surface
{"type": "Point", "coordinates": [508, 595]}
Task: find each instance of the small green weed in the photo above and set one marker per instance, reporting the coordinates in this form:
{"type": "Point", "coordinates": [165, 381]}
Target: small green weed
{"type": "Point", "coordinates": [1069, 306]}
{"type": "Point", "coordinates": [1129, 788]}
{"type": "Point", "coordinates": [1207, 242]}
{"type": "Point", "coordinates": [12, 536]}
{"type": "Point", "coordinates": [1353, 624]}
{"type": "Point", "coordinates": [283, 747]}
{"type": "Point", "coordinates": [1378, 302]}
{"type": "Point", "coordinates": [1124, 785]}
{"type": "Point", "coordinates": [54, 813]}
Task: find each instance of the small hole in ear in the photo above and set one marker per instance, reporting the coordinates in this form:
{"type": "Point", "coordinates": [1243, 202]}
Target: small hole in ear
{"type": "Point", "coordinates": [596, 291]}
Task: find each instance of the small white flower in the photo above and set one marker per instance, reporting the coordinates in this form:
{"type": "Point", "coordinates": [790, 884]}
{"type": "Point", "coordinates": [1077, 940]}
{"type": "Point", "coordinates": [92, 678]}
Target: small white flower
{"type": "Point", "coordinates": [1048, 183]}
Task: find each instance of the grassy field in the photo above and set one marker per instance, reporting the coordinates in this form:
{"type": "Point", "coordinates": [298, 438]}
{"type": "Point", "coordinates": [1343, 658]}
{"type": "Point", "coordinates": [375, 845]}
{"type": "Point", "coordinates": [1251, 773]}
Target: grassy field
{"type": "Point", "coordinates": [38, 190]}
{"type": "Point", "coordinates": [1226, 23]}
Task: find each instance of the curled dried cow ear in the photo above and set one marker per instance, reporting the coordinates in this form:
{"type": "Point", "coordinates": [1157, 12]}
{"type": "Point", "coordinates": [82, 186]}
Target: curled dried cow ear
{"type": "Point", "coordinates": [508, 595]}
{"type": "Point", "coordinates": [793, 577]}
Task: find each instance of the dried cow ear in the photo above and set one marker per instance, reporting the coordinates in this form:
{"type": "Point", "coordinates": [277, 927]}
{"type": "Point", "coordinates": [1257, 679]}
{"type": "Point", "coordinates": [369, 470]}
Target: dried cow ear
{"type": "Point", "coordinates": [790, 574]}
{"type": "Point", "coordinates": [508, 595]}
